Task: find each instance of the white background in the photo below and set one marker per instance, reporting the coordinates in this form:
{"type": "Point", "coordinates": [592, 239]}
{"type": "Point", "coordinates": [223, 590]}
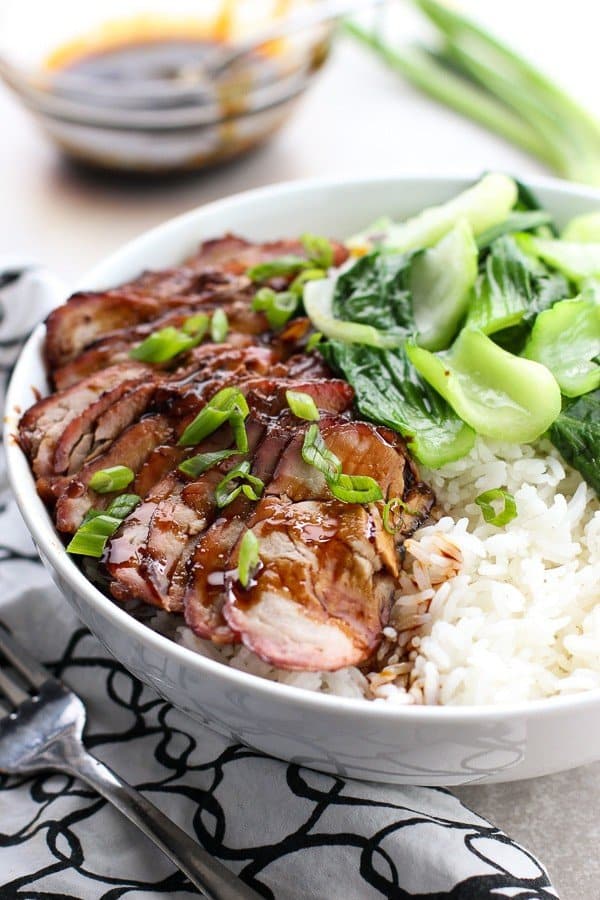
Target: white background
{"type": "Point", "coordinates": [358, 118]}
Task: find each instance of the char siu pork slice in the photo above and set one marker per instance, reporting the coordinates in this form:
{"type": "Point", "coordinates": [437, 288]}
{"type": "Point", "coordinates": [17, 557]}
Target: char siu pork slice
{"type": "Point", "coordinates": [88, 316]}
{"type": "Point", "coordinates": [215, 276]}
{"type": "Point", "coordinates": [328, 569]}
{"type": "Point", "coordinates": [79, 322]}
{"type": "Point", "coordinates": [204, 597]}
{"type": "Point", "coordinates": [132, 448]}
{"type": "Point", "coordinates": [234, 254]}
{"type": "Point", "coordinates": [43, 425]}
{"type": "Point", "coordinates": [93, 430]}
{"type": "Point", "coordinates": [180, 519]}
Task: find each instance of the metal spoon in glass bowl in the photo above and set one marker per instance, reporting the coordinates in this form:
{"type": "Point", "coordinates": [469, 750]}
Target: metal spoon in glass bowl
{"type": "Point", "coordinates": [201, 74]}
{"type": "Point", "coordinates": [222, 57]}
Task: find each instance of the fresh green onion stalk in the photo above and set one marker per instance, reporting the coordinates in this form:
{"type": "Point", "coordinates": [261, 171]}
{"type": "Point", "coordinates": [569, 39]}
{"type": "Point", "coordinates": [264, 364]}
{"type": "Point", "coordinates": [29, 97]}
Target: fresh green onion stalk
{"type": "Point", "coordinates": [484, 79]}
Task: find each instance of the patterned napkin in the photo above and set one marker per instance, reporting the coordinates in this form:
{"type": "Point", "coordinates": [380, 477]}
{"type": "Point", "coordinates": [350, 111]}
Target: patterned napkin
{"type": "Point", "coordinates": [291, 833]}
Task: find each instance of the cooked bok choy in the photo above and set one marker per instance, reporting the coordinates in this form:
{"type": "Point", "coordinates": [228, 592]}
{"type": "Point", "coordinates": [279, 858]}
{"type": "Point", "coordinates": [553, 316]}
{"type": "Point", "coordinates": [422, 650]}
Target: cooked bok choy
{"type": "Point", "coordinates": [483, 206]}
{"type": "Point", "coordinates": [498, 394]}
{"type": "Point", "coordinates": [444, 336]}
{"type": "Point", "coordinates": [566, 339]}
{"type": "Point", "coordinates": [441, 280]}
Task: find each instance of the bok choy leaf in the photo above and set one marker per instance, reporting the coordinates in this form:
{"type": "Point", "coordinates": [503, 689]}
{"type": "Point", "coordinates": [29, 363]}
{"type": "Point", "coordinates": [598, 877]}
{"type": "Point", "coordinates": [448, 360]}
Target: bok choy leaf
{"type": "Point", "coordinates": [484, 206]}
{"type": "Point", "coordinates": [566, 339]}
{"type": "Point", "coordinates": [583, 229]}
{"type": "Point", "coordinates": [499, 395]}
{"type": "Point", "coordinates": [512, 288]}
{"type": "Point", "coordinates": [576, 435]}
{"type": "Point", "coordinates": [577, 260]}
{"type": "Point", "coordinates": [441, 280]}
{"type": "Point", "coordinates": [390, 392]}
{"type": "Point", "coordinates": [388, 389]}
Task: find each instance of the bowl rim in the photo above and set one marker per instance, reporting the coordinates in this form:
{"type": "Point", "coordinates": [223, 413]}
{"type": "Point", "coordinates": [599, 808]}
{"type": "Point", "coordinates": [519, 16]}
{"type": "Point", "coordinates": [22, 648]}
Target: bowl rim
{"type": "Point", "coordinates": [49, 544]}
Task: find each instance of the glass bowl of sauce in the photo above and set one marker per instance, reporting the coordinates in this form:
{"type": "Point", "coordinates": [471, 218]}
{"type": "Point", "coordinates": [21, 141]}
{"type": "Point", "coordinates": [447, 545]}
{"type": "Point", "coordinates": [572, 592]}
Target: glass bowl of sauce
{"type": "Point", "coordinates": [120, 85]}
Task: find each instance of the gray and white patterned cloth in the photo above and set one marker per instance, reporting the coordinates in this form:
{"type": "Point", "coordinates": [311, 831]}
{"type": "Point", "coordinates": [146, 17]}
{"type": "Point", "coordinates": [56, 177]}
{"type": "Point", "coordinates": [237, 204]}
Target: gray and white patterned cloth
{"type": "Point", "coordinates": [291, 833]}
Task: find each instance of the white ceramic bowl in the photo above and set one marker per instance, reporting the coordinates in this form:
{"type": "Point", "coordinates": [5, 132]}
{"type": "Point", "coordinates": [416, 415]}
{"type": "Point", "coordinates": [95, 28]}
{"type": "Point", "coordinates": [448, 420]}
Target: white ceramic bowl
{"type": "Point", "coordinates": [425, 745]}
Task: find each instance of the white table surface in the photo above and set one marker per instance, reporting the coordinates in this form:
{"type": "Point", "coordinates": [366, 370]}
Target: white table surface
{"type": "Point", "coordinates": [358, 118]}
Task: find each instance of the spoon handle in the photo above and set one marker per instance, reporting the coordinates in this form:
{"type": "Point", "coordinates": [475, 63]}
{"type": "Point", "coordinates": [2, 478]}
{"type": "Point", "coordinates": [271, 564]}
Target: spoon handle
{"type": "Point", "coordinates": [220, 59]}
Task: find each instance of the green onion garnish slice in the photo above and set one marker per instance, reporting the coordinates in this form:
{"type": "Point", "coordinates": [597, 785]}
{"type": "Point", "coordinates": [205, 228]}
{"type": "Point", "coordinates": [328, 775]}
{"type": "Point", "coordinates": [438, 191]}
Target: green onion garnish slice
{"type": "Point", "coordinates": [392, 515]}
{"type": "Point", "coordinates": [302, 405]}
{"type": "Point", "coordinates": [248, 559]}
{"type": "Point", "coordinates": [348, 488]}
{"type": "Point", "coordinates": [85, 544]}
{"type": "Point", "coordinates": [123, 505]}
{"type": "Point", "coordinates": [277, 307]}
{"type": "Point", "coordinates": [93, 533]}
{"type": "Point", "coordinates": [315, 453]}
{"type": "Point", "coordinates": [319, 253]}
{"type": "Point", "coordinates": [219, 326]}
{"type": "Point", "coordinates": [115, 478]}
{"type": "Point", "coordinates": [282, 265]}
{"type": "Point", "coordinates": [297, 285]}
{"type": "Point", "coordinates": [228, 405]}
{"type": "Point", "coordinates": [196, 326]}
{"type": "Point", "coordinates": [313, 340]}
{"type": "Point", "coordinates": [197, 465]}
{"type": "Point", "coordinates": [355, 488]}
{"type": "Point", "coordinates": [162, 346]}
{"type": "Point", "coordinates": [251, 486]}
{"type": "Point", "coordinates": [318, 249]}
{"type": "Point", "coordinates": [493, 517]}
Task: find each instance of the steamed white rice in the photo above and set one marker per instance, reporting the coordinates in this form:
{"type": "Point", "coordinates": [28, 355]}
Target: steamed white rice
{"type": "Point", "coordinates": [484, 614]}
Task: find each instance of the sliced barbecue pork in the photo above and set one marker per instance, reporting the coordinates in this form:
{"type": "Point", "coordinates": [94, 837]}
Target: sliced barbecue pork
{"type": "Point", "coordinates": [324, 589]}
{"type": "Point", "coordinates": [132, 448]}
{"type": "Point", "coordinates": [87, 316]}
{"type": "Point", "coordinates": [43, 425]}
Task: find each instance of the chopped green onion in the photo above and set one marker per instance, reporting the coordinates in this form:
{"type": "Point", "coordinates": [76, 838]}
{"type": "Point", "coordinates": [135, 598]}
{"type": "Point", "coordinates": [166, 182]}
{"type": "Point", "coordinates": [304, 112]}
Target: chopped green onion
{"type": "Point", "coordinates": [282, 266]}
{"type": "Point", "coordinates": [505, 515]}
{"type": "Point", "coordinates": [315, 453]}
{"type": "Point", "coordinates": [277, 307]}
{"type": "Point", "coordinates": [202, 462]}
{"type": "Point", "coordinates": [196, 326]}
{"type": "Point", "coordinates": [227, 405]}
{"type": "Point", "coordinates": [297, 285]}
{"type": "Point", "coordinates": [355, 488]}
{"type": "Point", "coordinates": [248, 558]}
{"type": "Point", "coordinates": [348, 488]}
{"type": "Point", "coordinates": [302, 405]}
{"type": "Point", "coordinates": [91, 536]}
{"type": "Point", "coordinates": [123, 505]}
{"type": "Point", "coordinates": [251, 486]}
{"type": "Point", "coordinates": [318, 249]}
{"type": "Point", "coordinates": [162, 346]}
{"type": "Point", "coordinates": [238, 428]}
{"type": "Point", "coordinates": [313, 340]}
{"type": "Point", "coordinates": [115, 478]}
{"type": "Point", "coordinates": [219, 326]}
{"type": "Point", "coordinates": [396, 504]}
{"type": "Point", "coordinates": [87, 544]}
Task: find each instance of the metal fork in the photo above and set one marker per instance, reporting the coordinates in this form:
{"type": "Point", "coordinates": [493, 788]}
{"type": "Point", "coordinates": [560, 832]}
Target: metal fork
{"type": "Point", "coordinates": [43, 730]}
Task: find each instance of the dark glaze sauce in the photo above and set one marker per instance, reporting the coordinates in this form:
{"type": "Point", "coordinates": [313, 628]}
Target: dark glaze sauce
{"type": "Point", "coordinates": [152, 60]}
{"type": "Point", "coordinates": [156, 73]}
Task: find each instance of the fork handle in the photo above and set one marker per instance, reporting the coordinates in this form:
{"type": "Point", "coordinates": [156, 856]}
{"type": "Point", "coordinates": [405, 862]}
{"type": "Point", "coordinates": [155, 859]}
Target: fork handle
{"type": "Point", "coordinates": [205, 872]}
